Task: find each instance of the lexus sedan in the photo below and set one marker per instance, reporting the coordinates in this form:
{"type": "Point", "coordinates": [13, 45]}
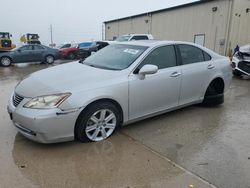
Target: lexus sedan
{"type": "Point", "coordinates": [29, 53]}
{"type": "Point", "coordinates": [118, 85]}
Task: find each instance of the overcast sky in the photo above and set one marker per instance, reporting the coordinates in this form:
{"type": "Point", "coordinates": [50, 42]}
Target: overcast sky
{"type": "Point", "coordinates": [72, 20]}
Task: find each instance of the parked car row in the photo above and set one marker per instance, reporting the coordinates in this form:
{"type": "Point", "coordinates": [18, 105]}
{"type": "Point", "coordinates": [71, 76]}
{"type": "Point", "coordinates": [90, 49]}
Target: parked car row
{"type": "Point", "coordinates": [81, 50]}
{"type": "Point", "coordinates": [40, 53]}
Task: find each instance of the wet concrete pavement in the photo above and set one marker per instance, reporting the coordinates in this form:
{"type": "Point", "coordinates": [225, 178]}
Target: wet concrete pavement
{"type": "Point", "coordinates": [212, 143]}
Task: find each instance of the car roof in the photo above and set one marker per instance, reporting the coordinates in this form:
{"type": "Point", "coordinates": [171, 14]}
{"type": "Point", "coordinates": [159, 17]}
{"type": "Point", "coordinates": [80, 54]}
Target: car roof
{"type": "Point", "coordinates": [148, 43]}
{"type": "Point", "coordinates": [154, 43]}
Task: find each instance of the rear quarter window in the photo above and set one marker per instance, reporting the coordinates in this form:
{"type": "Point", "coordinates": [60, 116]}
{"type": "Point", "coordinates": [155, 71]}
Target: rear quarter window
{"type": "Point", "coordinates": [207, 57]}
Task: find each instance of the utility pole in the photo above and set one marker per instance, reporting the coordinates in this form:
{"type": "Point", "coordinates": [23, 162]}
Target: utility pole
{"type": "Point", "coordinates": [51, 34]}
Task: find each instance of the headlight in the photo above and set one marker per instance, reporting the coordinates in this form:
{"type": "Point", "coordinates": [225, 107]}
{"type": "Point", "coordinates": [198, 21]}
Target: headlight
{"type": "Point", "coordinates": [238, 55]}
{"type": "Point", "coordinates": [47, 102]}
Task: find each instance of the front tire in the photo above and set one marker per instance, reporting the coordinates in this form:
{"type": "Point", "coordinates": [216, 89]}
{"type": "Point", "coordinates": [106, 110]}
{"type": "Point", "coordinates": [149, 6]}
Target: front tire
{"type": "Point", "coordinates": [97, 122]}
{"type": "Point", "coordinates": [50, 59]}
{"type": "Point", "coordinates": [5, 61]}
{"type": "Point", "coordinates": [71, 56]}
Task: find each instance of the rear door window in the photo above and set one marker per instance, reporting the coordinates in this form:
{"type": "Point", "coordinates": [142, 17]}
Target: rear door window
{"type": "Point", "coordinates": [26, 48]}
{"type": "Point", "coordinates": [207, 57]}
{"type": "Point", "coordinates": [191, 54]}
{"type": "Point", "coordinates": [38, 47]}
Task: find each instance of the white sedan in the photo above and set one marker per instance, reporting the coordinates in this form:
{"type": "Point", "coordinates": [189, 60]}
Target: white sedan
{"type": "Point", "coordinates": [118, 85]}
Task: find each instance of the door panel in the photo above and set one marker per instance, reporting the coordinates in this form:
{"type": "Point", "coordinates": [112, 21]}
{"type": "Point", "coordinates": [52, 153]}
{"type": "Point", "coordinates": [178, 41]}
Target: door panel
{"type": "Point", "coordinates": [197, 68]}
{"type": "Point", "coordinates": [38, 53]}
{"type": "Point", "coordinates": [194, 80]}
{"type": "Point", "coordinates": [24, 54]}
{"type": "Point", "coordinates": [155, 93]}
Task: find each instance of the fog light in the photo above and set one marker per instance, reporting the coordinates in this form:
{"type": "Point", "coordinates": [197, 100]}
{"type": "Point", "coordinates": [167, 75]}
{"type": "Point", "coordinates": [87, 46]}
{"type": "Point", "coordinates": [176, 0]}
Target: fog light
{"type": "Point", "coordinates": [233, 64]}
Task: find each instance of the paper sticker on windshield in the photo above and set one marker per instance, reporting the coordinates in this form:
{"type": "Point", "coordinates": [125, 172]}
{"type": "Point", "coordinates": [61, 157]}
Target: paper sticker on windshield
{"type": "Point", "coordinates": [131, 51]}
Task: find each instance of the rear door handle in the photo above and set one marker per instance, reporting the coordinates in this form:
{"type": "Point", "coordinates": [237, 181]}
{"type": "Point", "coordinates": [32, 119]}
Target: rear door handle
{"type": "Point", "coordinates": [175, 74]}
{"type": "Point", "coordinates": [210, 66]}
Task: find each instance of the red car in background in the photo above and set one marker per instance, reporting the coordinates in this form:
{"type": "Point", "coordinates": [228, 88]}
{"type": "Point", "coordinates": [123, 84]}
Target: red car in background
{"type": "Point", "coordinates": [69, 51]}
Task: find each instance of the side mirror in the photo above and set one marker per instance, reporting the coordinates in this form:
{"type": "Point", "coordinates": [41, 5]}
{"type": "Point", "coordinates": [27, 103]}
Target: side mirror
{"type": "Point", "coordinates": [147, 69]}
{"type": "Point", "coordinates": [19, 50]}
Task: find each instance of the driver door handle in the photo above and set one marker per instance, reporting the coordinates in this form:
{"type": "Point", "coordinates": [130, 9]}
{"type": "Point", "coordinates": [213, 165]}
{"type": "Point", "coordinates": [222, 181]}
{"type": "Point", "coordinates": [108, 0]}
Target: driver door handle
{"type": "Point", "coordinates": [175, 74]}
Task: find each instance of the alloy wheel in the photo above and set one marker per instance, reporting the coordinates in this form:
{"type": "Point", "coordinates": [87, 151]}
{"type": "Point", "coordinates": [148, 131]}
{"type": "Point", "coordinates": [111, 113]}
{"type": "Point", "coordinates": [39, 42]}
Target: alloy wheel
{"type": "Point", "coordinates": [50, 59]}
{"type": "Point", "coordinates": [101, 125]}
{"type": "Point", "coordinates": [5, 61]}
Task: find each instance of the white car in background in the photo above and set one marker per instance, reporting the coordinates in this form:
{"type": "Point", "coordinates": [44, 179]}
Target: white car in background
{"type": "Point", "coordinates": [131, 37]}
{"type": "Point", "coordinates": [241, 61]}
{"type": "Point", "coordinates": [118, 85]}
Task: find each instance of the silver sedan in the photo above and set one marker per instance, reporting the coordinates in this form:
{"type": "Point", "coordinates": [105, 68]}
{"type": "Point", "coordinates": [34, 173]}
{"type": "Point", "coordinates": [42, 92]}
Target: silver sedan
{"type": "Point", "coordinates": [118, 85]}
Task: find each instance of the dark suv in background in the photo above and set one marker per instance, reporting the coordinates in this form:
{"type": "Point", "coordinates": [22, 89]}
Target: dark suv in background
{"type": "Point", "coordinates": [86, 48]}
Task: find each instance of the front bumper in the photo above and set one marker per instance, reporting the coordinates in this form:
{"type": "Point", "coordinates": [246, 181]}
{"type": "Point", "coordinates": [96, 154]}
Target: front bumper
{"type": "Point", "coordinates": [44, 126]}
{"type": "Point", "coordinates": [62, 55]}
{"type": "Point", "coordinates": [242, 66]}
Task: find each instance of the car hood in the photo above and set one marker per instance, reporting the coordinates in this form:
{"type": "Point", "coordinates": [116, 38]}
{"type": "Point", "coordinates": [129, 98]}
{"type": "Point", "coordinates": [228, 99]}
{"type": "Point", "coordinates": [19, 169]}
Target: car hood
{"type": "Point", "coordinates": [70, 77]}
{"type": "Point", "coordinates": [6, 53]}
{"type": "Point", "coordinates": [245, 49]}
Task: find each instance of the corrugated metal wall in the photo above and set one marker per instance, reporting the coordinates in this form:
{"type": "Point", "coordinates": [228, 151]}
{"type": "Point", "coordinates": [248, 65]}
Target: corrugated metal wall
{"type": "Point", "coordinates": [181, 24]}
{"type": "Point", "coordinates": [240, 25]}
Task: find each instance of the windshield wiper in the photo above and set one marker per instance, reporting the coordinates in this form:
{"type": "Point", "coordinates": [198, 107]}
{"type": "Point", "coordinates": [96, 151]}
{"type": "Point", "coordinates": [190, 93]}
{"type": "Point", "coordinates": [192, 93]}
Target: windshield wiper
{"type": "Point", "coordinates": [100, 67]}
{"type": "Point", "coordinates": [81, 61]}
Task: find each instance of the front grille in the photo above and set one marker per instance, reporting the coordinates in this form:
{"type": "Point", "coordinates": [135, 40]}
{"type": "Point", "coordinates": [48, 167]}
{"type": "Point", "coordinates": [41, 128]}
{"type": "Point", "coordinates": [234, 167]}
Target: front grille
{"type": "Point", "coordinates": [6, 43]}
{"type": "Point", "coordinates": [245, 66]}
{"type": "Point", "coordinates": [17, 99]}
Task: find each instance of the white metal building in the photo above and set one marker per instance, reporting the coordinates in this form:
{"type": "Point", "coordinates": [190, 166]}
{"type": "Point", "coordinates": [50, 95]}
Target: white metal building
{"type": "Point", "coordinates": [217, 24]}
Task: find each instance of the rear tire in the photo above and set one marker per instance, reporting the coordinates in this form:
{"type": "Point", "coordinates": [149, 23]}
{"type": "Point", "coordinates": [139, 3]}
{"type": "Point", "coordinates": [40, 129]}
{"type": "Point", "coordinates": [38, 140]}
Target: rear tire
{"type": "Point", "coordinates": [213, 97]}
{"type": "Point", "coordinates": [49, 59]}
{"type": "Point", "coordinates": [98, 122]}
{"type": "Point", "coordinates": [215, 100]}
{"type": "Point", "coordinates": [5, 61]}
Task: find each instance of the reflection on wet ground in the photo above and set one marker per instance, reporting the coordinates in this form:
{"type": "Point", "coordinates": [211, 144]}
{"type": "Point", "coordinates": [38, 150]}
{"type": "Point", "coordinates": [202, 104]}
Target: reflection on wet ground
{"type": "Point", "coordinates": [21, 70]}
{"type": "Point", "coordinates": [210, 142]}
{"type": "Point", "coordinates": [116, 162]}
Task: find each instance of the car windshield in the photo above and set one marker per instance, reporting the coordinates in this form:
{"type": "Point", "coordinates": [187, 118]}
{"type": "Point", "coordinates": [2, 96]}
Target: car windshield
{"type": "Point", "coordinates": [64, 46]}
{"type": "Point", "coordinates": [86, 44]}
{"type": "Point", "coordinates": [115, 57]}
{"type": "Point", "coordinates": [122, 38]}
